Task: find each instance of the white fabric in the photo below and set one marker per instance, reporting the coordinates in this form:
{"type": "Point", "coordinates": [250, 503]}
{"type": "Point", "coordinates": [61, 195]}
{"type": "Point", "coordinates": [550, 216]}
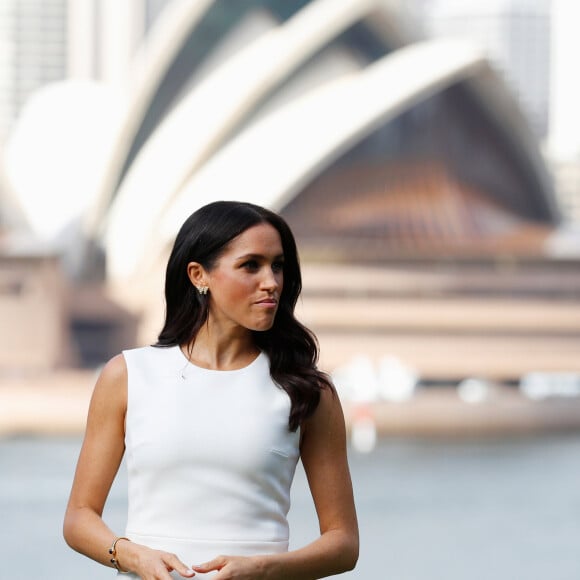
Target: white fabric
{"type": "Point", "coordinates": [209, 456]}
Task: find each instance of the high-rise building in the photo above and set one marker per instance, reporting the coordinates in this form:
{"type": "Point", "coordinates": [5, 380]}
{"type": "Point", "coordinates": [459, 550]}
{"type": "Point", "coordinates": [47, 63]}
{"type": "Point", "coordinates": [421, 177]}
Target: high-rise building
{"type": "Point", "coordinates": [516, 35]}
{"type": "Point", "coordinates": [564, 141]}
{"type": "Point", "coordinates": [42, 41]}
{"type": "Point", "coordinates": [33, 52]}
{"type": "Point", "coordinates": [534, 44]}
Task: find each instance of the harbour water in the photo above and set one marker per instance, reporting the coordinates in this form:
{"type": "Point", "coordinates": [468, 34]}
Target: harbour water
{"type": "Point", "coordinates": [428, 510]}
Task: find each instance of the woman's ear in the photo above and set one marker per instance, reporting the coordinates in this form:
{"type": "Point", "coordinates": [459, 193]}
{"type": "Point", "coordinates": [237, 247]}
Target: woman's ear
{"type": "Point", "coordinates": [196, 274]}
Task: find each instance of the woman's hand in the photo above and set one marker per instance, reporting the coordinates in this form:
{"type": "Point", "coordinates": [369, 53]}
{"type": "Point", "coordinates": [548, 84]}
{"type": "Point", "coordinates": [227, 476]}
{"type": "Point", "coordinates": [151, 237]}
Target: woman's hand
{"type": "Point", "coordinates": [234, 568]}
{"type": "Point", "coordinates": [150, 564]}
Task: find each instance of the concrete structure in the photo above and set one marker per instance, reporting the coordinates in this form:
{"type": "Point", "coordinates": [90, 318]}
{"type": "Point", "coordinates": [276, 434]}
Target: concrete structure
{"type": "Point", "coordinates": [48, 324]}
{"type": "Point", "coordinates": [34, 334]}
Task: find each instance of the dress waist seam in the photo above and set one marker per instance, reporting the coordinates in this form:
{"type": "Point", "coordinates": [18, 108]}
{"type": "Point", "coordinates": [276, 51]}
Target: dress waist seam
{"type": "Point", "coordinates": [192, 540]}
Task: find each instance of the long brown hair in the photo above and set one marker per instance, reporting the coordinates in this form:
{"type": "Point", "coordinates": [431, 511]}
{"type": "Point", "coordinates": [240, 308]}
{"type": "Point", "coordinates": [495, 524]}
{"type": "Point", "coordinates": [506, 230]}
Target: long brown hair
{"type": "Point", "coordinates": [291, 347]}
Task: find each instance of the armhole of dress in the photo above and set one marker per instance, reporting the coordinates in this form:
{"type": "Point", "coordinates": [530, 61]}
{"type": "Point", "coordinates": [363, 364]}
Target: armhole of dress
{"type": "Point", "coordinates": [124, 353]}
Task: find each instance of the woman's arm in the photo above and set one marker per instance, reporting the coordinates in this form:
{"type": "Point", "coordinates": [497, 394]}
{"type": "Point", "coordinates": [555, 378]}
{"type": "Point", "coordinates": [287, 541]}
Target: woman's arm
{"type": "Point", "coordinates": [99, 460]}
{"type": "Point", "coordinates": [323, 451]}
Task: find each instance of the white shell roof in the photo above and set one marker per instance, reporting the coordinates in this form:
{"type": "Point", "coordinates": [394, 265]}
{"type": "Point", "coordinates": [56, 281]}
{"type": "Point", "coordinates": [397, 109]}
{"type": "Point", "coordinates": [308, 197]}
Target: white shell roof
{"type": "Point", "coordinates": [156, 56]}
{"type": "Point", "coordinates": [261, 167]}
{"type": "Point", "coordinates": [192, 158]}
{"type": "Point", "coordinates": [195, 128]}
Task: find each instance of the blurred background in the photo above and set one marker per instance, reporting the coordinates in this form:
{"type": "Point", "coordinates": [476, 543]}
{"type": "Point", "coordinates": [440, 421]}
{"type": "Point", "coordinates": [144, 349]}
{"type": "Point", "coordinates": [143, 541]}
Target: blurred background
{"type": "Point", "coordinates": [426, 154]}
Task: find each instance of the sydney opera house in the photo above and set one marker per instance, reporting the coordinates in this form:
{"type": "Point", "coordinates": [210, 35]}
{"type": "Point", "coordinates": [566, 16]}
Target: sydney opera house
{"type": "Point", "coordinates": [422, 206]}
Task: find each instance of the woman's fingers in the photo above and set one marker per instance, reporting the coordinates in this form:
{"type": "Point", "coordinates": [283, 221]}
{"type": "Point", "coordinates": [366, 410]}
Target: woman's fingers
{"type": "Point", "coordinates": [157, 565]}
{"type": "Point", "coordinates": [216, 564]}
{"type": "Point", "coordinates": [233, 567]}
{"type": "Point", "coordinates": [174, 563]}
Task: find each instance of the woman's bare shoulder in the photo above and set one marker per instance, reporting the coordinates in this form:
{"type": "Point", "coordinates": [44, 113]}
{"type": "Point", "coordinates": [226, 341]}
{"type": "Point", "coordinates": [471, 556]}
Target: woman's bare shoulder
{"type": "Point", "coordinates": [115, 369]}
{"type": "Point", "coordinates": [328, 416]}
{"type": "Point", "coordinates": [111, 384]}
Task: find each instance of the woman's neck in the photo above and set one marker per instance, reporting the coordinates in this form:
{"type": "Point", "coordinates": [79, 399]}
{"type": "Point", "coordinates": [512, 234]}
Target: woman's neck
{"type": "Point", "coordinates": [221, 351]}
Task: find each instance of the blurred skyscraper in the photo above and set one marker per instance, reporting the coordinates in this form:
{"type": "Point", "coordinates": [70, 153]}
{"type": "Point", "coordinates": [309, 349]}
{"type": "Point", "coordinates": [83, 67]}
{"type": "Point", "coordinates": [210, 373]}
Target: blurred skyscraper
{"type": "Point", "coordinates": [533, 44]}
{"type": "Point", "coordinates": [565, 82]}
{"type": "Point", "coordinates": [516, 38]}
{"type": "Point", "coordinates": [105, 34]}
{"type": "Point", "coordinates": [33, 52]}
{"type": "Point", "coordinates": [42, 41]}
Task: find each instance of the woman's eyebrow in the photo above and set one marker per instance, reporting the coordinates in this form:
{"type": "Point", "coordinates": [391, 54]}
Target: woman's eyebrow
{"type": "Point", "coordinates": [259, 256]}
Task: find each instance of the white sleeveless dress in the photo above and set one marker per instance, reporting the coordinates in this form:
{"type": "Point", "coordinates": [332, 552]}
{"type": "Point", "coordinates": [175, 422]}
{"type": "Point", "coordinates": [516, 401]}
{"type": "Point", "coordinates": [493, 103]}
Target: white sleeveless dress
{"type": "Point", "coordinates": [210, 459]}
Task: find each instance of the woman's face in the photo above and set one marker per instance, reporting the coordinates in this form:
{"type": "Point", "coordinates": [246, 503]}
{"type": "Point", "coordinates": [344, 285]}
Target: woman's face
{"type": "Point", "coordinates": [246, 283]}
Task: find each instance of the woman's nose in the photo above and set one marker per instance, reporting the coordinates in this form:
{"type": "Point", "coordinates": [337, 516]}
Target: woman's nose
{"type": "Point", "coordinates": [269, 279]}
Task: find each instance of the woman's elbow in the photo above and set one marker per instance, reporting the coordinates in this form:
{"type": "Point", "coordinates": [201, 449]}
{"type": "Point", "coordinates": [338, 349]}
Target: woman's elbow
{"type": "Point", "coordinates": [349, 552]}
{"type": "Point", "coordinates": [70, 529]}
{"type": "Point", "coordinates": [352, 555]}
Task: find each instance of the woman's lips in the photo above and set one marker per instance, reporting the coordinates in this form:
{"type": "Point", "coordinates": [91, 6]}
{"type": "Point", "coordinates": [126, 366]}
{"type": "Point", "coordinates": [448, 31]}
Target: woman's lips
{"type": "Point", "coordinates": [268, 302]}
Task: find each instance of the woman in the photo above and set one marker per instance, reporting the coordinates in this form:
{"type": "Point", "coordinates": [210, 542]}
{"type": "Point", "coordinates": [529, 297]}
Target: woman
{"type": "Point", "coordinates": [214, 417]}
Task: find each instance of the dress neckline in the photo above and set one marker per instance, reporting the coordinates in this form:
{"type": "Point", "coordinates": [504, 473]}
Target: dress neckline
{"type": "Point", "coordinates": [192, 367]}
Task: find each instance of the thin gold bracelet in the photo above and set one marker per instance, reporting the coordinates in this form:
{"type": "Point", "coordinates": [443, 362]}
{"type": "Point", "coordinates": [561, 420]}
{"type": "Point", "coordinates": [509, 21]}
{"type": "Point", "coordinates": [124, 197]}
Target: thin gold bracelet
{"type": "Point", "coordinates": [113, 553]}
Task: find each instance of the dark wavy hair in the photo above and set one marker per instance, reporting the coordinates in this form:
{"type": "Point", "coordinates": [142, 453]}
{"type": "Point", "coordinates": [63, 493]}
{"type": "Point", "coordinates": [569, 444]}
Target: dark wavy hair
{"type": "Point", "coordinates": [291, 347]}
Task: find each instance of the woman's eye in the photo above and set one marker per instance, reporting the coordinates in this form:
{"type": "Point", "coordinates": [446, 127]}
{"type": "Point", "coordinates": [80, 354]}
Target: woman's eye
{"type": "Point", "coordinates": [250, 265]}
{"type": "Point", "coordinates": [278, 266]}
